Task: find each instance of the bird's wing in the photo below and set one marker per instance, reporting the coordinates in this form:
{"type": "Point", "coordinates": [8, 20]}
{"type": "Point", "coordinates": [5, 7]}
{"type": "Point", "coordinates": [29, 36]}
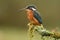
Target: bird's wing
{"type": "Point", "coordinates": [37, 16]}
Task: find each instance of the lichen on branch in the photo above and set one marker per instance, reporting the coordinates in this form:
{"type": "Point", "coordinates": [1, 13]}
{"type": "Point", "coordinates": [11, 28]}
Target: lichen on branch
{"type": "Point", "coordinates": [43, 32]}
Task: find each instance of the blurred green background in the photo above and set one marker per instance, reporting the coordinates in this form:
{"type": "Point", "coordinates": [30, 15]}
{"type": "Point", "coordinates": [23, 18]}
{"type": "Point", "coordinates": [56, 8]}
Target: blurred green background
{"type": "Point", "coordinates": [13, 24]}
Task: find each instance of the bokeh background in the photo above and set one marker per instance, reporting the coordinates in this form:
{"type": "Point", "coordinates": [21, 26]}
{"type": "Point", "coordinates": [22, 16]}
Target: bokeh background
{"type": "Point", "coordinates": [13, 24]}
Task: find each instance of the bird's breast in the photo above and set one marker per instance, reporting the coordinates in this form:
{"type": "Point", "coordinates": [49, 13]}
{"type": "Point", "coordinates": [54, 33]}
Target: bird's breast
{"type": "Point", "coordinates": [32, 18]}
{"type": "Point", "coordinates": [30, 15]}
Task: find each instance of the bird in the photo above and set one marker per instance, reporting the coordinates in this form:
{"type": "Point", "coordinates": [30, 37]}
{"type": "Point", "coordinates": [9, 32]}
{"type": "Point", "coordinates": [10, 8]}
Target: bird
{"type": "Point", "coordinates": [33, 15]}
{"type": "Point", "coordinates": [34, 18]}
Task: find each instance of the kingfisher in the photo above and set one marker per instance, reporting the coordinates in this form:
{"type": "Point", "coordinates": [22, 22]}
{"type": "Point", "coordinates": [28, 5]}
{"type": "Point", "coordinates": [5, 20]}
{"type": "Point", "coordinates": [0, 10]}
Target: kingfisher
{"type": "Point", "coordinates": [33, 15]}
{"type": "Point", "coordinates": [34, 18]}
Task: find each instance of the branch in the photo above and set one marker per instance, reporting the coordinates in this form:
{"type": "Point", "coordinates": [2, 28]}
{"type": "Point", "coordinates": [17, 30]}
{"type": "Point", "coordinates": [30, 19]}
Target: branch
{"type": "Point", "coordinates": [42, 31]}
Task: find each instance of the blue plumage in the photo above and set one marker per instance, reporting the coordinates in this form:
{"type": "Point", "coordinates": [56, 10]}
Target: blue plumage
{"type": "Point", "coordinates": [37, 16]}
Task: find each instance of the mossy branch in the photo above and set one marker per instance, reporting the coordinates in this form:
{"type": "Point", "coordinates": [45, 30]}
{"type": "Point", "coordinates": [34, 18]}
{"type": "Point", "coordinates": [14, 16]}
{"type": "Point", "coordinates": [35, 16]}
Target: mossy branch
{"type": "Point", "coordinates": [43, 32]}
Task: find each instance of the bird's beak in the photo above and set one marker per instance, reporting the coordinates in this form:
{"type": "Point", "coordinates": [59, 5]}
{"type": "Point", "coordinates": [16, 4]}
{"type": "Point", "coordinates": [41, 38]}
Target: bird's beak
{"type": "Point", "coordinates": [21, 9]}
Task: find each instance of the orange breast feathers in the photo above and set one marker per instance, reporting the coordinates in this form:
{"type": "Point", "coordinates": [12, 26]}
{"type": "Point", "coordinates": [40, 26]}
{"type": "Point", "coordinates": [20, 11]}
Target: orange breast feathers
{"type": "Point", "coordinates": [31, 18]}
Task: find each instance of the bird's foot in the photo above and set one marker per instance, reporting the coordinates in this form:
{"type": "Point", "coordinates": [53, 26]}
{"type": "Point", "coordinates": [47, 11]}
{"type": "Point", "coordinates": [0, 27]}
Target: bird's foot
{"type": "Point", "coordinates": [30, 24]}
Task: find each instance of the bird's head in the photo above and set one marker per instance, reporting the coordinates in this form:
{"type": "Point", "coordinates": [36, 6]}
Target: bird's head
{"type": "Point", "coordinates": [29, 8]}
